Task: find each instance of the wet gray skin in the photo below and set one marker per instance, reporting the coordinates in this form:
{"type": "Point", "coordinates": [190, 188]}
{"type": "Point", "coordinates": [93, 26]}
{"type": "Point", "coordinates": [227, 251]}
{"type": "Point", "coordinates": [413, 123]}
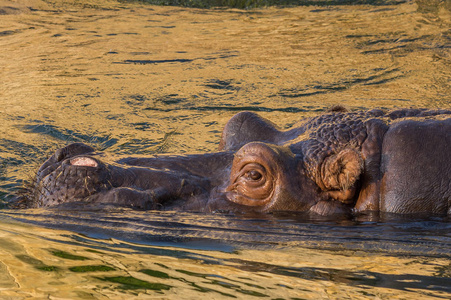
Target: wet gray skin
{"type": "Point", "coordinates": [339, 162]}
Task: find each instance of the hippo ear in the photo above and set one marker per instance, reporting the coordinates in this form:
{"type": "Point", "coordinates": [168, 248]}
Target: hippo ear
{"type": "Point", "coordinates": [339, 173]}
{"type": "Point", "coordinates": [246, 127]}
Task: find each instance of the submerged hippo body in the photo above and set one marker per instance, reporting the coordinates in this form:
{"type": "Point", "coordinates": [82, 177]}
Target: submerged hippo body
{"type": "Point", "coordinates": [339, 162]}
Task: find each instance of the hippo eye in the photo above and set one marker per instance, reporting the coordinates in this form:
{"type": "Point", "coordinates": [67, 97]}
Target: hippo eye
{"type": "Point", "coordinates": [254, 175]}
{"type": "Point", "coordinates": [252, 184]}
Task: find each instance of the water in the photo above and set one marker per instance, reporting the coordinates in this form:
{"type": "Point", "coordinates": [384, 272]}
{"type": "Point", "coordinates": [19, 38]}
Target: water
{"type": "Point", "coordinates": [130, 78]}
{"type": "Point", "coordinates": [125, 254]}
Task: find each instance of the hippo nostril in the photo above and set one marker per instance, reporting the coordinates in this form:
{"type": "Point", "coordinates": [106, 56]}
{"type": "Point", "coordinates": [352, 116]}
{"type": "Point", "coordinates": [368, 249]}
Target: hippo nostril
{"type": "Point", "coordinates": [84, 161]}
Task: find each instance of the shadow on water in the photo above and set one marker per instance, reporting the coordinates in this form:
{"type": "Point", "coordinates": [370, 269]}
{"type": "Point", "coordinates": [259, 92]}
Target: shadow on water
{"type": "Point", "coordinates": [239, 108]}
{"type": "Point", "coordinates": [372, 279]}
{"type": "Point", "coordinates": [264, 3]}
{"type": "Point", "coordinates": [389, 234]}
{"type": "Point", "coordinates": [68, 135]}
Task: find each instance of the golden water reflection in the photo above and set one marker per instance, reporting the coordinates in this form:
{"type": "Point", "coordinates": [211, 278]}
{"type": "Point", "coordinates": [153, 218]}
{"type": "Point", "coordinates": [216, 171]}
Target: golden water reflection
{"type": "Point", "coordinates": [41, 263]}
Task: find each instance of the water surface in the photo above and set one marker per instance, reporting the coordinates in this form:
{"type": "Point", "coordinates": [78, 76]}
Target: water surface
{"type": "Point", "coordinates": [131, 78]}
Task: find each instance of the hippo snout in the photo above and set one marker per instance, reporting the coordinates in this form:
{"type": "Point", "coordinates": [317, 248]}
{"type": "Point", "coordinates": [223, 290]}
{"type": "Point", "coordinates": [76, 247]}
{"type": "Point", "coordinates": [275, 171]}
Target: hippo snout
{"type": "Point", "coordinates": [70, 180]}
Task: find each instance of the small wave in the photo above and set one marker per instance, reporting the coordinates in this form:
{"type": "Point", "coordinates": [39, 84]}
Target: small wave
{"type": "Point", "coordinates": [390, 235]}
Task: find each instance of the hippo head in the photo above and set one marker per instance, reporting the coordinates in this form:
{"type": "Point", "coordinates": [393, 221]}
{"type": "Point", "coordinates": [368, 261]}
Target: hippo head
{"type": "Point", "coordinates": [257, 168]}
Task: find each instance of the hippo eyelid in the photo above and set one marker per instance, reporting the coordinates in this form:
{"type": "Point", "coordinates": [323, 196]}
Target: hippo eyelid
{"type": "Point", "coordinates": [84, 161]}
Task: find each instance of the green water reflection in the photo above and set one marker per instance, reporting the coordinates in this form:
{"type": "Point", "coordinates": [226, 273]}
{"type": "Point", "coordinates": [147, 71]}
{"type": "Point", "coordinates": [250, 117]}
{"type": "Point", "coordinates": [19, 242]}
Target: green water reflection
{"type": "Point", "coordinates": [96, 268]}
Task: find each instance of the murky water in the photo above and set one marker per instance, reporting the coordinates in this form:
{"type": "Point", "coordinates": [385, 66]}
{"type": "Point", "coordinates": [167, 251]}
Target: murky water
{"type": "Point", "coordinates": [130, 78]}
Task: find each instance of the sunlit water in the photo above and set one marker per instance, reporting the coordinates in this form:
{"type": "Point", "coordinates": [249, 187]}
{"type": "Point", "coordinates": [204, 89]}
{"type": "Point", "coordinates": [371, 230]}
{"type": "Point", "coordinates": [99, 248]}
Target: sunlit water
{"type": "Point", "coordinates": [130, 79]}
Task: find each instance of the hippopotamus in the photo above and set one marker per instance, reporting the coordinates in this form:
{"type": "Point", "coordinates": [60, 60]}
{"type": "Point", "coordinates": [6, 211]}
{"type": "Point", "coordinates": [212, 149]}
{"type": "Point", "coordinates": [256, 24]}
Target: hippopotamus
{"type": "Point", "coordinates": [394, 161]}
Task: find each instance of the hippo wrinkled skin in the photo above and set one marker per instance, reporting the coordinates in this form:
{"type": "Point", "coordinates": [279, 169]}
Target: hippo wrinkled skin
{"type": "Point", "coordinates": [339, 162]}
